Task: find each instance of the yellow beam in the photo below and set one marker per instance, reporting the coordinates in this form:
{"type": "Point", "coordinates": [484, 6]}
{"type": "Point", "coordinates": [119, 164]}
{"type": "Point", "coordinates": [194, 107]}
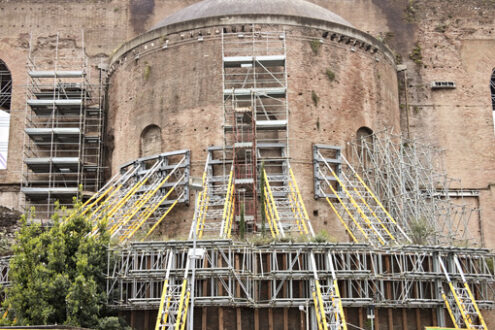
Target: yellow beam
{"type": "Point", "coordinates": [159, 319]}
{"type": "Point", "coordinates": [161, 218]}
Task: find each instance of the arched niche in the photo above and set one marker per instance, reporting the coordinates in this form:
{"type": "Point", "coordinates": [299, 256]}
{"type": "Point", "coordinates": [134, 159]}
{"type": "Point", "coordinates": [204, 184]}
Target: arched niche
{"type": "Point", "coordinates": [151, 141]}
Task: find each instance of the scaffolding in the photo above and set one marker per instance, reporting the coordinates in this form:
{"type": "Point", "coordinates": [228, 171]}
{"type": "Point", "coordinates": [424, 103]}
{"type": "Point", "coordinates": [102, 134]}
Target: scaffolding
{"type": "Point", "coordinates": [63, 145]}
{"type": "Point", "coordinates": [355, 204]}
{"type": "Point", "coordinates": [283, 275]}
{"type": "Point", "coordinates": [407, 177]}
{"type": "Point", "coordinates": [140, 196]}
{"type": "Point", "coordinates": [256, 130]}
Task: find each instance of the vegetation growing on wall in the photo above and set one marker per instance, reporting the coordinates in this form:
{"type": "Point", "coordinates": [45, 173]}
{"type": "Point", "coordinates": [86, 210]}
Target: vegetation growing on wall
{"type": "Point", "coordinates": [315, 98]}
{"type": "Point", "coordinates": [416, 54]}
{"type": "Point", "coordinates": [315, 46]}
{"type": "Point", "coordinates": [330, 74]}
{"type": "Point", "coordinates": [58, 275]}
{"type": "Point", "coordinates": [410, 11]}
{"type": "Point", "coordinates": [146, 71]}
{"type": "Point", "coordinates": [441, 28]}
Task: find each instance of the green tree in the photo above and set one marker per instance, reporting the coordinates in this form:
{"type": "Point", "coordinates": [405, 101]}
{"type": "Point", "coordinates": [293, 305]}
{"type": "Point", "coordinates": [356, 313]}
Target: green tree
{"type": "Point", "coordinates": [58, 274]}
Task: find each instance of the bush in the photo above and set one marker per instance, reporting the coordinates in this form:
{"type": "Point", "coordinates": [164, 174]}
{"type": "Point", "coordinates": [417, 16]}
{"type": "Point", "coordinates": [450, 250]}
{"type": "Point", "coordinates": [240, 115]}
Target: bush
{"type": "Point", "coordinates": [324, 237]}
{"type": "Point", "coordinates": [421, 231]}
{"type": "Point", "coordinates": [113, 323]}
{"type": "Point", "coordinates": [58, 274]}
{"type": "Point", "coordinates": [330, 75]}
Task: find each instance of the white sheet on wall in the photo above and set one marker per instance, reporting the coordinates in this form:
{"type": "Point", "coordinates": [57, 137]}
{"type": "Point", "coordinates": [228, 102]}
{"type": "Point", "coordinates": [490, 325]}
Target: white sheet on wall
{"type": "Point", "coordinates": [4, 138]}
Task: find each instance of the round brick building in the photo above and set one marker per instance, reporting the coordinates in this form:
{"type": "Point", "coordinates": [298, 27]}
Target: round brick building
{"type": "Point", "coordinates": [166, 86]}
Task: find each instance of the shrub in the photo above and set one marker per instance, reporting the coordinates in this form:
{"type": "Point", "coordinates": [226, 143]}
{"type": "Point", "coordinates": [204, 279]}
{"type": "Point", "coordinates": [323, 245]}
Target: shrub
{"type": "Point", "coordinates": [315, 46]}
{"type": "Point", "coordinates": [315, 98]}
{"type": "Point", "coordinates": [416, 55]}
{"type": "Point", "coordinates": [330, 75]}
{"type": "Point", "coordinates": [58, 274]}
{"type": "Point", "coordinates": [421, 231]}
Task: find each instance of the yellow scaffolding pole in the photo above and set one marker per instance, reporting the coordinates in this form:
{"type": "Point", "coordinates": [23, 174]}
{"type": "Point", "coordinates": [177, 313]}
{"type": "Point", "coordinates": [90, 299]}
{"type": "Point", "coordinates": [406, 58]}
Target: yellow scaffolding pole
{"type": "Point", "coordinates": [203, 216]}
{"type": "Point", "coordinates": [274, 235]}
{"type": "Point", "coordinates": [460, 304]}
{"type": "Point", "coordinates": [294, 211]}
{"type": "Point", "coordinates": [449, 309]}
{"type": "Point", "coordinates": [184, 318]}
{"type": "Point", "coordinates": [231, 215]}
{"type": "Point", "coordinates": [301, 202]}
{"type": "Point", "coordinates": [317, 311]}
{"type": "Point", "coordinates": [161, 218]}
{"type": "Point", "coordinates": [346, 209]}
{"type": "Point", "coordinates": [138, 205]}
{"type": "Point", "coordinates": [355, 205]}
{"type": "Point", "coordinates": [134, 189]}
{"type": "Point", "coordinates": [199, 205]}
{"type": "Point", "coordinates": [374, 214]}
{"type": "Point", "coordinates": [181, 303]}
{"type": "Point", "coordinates": [341, 220]}
{"type": "Point", "coordinates": [104, 204]}
{"type": "Point", "coordinates": [377, 200]}
{"type": "Point", "coordinates": [226, 205]}
{"type": "Point", "coordinates": [272, 215]}
{"type": "Point", "coordinates": [160, 319]}
{"type": "Point", "coordinates": [478, 312]}
{"type": "Point", "coordinates": [129, 236]}
{"type": "Point", "coordinates": [321, 305]}
{"type": "Point", "coordinates": [276, 217]}
{"type": "Point", "coordinates": [340, 307]}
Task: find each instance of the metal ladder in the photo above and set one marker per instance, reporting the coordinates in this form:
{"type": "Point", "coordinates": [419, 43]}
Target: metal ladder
{"type": "Point", "coordinates": [214, 208]}
{"type": "Point", "coordinates": [176, 296]}
{"type": "Point", "coordinates": [327, 301]}
{"type": "Point", "coordinates": [285, 209]}
{"type": "Point", "coordinates": [461, 304]}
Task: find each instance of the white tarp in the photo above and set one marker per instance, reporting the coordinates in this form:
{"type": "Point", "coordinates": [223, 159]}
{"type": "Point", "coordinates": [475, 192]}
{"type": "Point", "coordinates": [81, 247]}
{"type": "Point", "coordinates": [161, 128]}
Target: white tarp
{"type": "Point", "coordinates": [4, 138]}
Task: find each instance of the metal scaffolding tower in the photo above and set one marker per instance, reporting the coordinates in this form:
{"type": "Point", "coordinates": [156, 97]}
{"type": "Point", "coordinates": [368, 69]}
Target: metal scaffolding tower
{"type": "Point", "coordinates": [407, 177]}
{"type": "Point", "coordinates": [63, 150]}
{"type": "Point", "coordinates": [256, 114]}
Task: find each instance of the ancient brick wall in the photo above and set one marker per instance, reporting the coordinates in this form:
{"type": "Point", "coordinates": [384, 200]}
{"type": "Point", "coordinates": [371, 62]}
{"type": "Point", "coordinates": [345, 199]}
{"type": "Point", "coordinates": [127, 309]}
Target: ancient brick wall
{"type": "Point", "coordinates": [438, 40]}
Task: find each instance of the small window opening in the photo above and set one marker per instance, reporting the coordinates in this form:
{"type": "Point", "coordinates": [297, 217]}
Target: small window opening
{"type": "Point", "coordinates": [364, 139]}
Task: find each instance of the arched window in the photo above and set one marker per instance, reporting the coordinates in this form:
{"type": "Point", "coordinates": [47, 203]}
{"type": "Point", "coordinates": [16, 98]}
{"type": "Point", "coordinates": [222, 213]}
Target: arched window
{"type": "Point", "coordinates": [364, 133]}
{"type": "Point", "coordinates": [5, 101]}
{"type": "Point", "coordinates": [5, 87]}
{"type": "Point", "coordinates": [364, 140]}
{"type": "Point", "coordinates": [151, 141]}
